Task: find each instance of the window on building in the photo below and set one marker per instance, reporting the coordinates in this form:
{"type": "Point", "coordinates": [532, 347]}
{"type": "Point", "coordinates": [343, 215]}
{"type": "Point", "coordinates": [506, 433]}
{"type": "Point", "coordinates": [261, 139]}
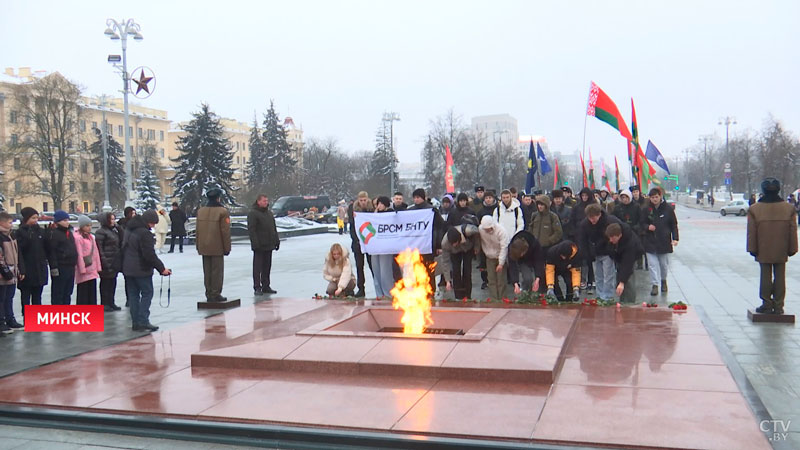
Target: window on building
{"type": "Point", "coordinates": [82, 125]}
{"type": "Point", "coordinates": [84, 186]}
{"type": "Point", "coordinates": [83, 145]}
{"type": "Point", "coordinates": [69, 143]}
{"type": "Point", "coordinates": [161, 151]}
{"type": "Point", "coordinates": [94, 126]}
{"type": "Point", "coordinates": [71, 165]}
{"type": "Point", "coordinates": [12, 117]}
{"type": "Point", "coordinates": [96, 167]}
{"type": "Point", "coordinates": [17, 187]}
{"type": "Point", "coordinates": [141, 133]}
{"type": "Point", "coordinates": [130, 131]}
{"type": "Point", "coordinates": [141, 152]}
{"type": "Point", "coordinates": [85, 207]}
{"type": "Point", "coordinates": [44, 186]}
{"type": "Point", "coordinates": [44, 165]}
{"type": "Point", "coordinates": [244, 146]}
{"type": "Point", "coordinates": [237, 146]}
{"type": "Point", "coordinates": [72, 206]}
{"type": "Point", "coordinates": [109, 129]}
{"type": "Point", "coordinates": [84, 167]}
{"type": "Point", "coordinates": [14, 139]}
{"type": "Point", "coordinates": [119, 130]}
{"type": "Point", "coordinates": [161, 135]}
{"type": "Point", "coordinates": [16, 163]}
{"type": "Point", "coordinates": [45, 206]}
{"type": "Point", "coordinates": [237, 160]}
{"type": "Point", "coordinates": [71, 186]}
{"type": "Point", "coordinates": [151, 134]}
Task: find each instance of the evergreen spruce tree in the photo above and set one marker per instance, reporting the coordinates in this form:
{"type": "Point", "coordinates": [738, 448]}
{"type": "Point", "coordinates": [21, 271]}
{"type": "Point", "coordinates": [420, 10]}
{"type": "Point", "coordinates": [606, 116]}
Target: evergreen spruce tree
{"type": "Point", "coordinates": [204, 162]}
{"type": "Point", "coordinates": [149, 192]}
{"type": "Point", "coordinates": [380, 165]}
{"type": "Point", "coordinates": [257, 165]}
{"type": "Point", "coordinates": [279, 161]}
{"type": "Point", "coordinates": [116, 170]}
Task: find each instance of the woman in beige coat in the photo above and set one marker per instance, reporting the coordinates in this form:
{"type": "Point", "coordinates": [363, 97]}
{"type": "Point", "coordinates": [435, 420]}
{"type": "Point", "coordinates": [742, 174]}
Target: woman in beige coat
{"type": "Point", "coordinates": [162, 228]}
{"type": "Point", "coordinates": [338, 272]}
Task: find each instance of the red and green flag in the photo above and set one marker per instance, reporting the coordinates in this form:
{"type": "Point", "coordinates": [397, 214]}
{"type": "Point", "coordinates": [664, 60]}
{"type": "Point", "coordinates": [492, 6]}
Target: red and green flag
{"type": "Point", "coordinates": [449, 176]}
{"type": "Point", "coordinates": [616, 171]}
{"type": "Point", "coordinates": [557, 181]}
{"type": "Point", "coordinates": [583, 167]}
{"type": "Point", "coordinates": [604, 178]}
{"type": "Point", "coordinates": [591, 170]}
{"type": "Point", "coordinates": [643, 172]}
{"type": "Point", "coordinates": [602, 107]}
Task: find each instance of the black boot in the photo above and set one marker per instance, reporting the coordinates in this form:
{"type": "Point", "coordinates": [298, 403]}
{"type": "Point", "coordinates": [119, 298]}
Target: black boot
{"type": "Point", "coordinates": [654, 291]}
{"type": "Point", "coordinates": [766, 307]}
{"type": "Point", "coordinates": [360, 293]}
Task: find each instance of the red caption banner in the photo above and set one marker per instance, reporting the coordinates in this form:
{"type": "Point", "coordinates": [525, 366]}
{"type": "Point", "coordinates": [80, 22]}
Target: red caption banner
{"type": "Point", "coordinates": [64, 318]}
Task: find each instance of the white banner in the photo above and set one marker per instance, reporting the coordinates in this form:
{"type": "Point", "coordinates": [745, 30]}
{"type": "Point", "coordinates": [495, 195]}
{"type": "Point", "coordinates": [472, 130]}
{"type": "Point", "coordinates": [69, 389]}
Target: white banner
{"type": "Point", "coordinates": [390, 233]}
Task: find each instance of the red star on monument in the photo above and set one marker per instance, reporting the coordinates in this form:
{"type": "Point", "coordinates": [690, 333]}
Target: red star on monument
{"type": "Point", "coordinates": [141, 83]}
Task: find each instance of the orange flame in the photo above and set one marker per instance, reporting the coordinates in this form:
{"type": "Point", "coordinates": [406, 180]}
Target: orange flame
{"type": "Point", "coordinates": [412, 292]}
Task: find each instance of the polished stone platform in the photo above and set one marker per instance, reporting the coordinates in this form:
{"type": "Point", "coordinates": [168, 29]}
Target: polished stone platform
{"type": "Point", "coordinates": [769, 318]}
{"type": "Point", "coordinates": [632, 377]}
{"type": "Point", "coordinates": [494, 346]}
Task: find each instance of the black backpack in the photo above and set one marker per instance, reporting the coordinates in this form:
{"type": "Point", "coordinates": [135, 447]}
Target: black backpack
{"type": "Point", "coordinates": [469, 219]}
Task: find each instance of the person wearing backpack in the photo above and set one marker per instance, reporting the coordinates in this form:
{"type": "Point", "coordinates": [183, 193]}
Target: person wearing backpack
{"type": "Point", "coordinates": [109, 243]}
{"type": "Point", "coordinates": [509, 214]}
{"type": "Point", "coordinates": [459, 246]}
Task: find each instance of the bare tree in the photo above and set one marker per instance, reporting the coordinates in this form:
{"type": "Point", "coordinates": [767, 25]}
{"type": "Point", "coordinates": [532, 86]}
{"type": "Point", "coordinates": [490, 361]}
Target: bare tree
{"type": "Point", "coordinates": [47, 135]}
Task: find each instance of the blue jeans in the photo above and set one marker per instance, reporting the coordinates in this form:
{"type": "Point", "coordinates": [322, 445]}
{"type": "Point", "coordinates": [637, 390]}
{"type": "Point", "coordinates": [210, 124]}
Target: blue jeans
{"type": "Point", "coordinates": [382, 275]}
{"type": "Point", "coordinates": [140, 294]}
{"type": "Point", "coordinates": [7, 302]}
{"type": "Point", "coordinates": [62, 286]}
{"type": "Point", "coordinates": [604, 276]}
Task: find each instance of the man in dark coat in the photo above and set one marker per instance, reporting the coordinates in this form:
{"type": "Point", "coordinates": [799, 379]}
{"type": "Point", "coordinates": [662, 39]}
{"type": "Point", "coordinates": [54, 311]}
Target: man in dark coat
{"type": "Point", "coordinates": [65, 259]}
{"type": "Point", "coordinates": [263, 240]}
{"type": "Point", "coordinates": [578, 213]}
{"type": "Point", "coordinates": [109, 242]}
{"type": "Point", "coordinates": [362, 204]}
{"type": "Point", "coordinates": [594, 244]}
{"type": "Point", "coordinates": [526, 255]}
{"type": "Point", "coordinates": [34, 250]}
{"type": "Point", "coordinates": [661, 234]}
{"type": "Point", "coordinates": [397, 202]}
{"type": "Point", "coordinates": [178, 219]}
{"type": "Point", "coordinates": [138, 261]}
{"type": "Point", "coordinates": [624, 250]}
{"type": "Point", "coordinates": [213, 243]}
{"type": "Point", "coordinates": [439, 229]}
{"type": "Point", "coordinates": [771, 240]}
{"type": "Point", "coordinates": [563, 260]}
{"type": "Point", "coordinates": [127, 214]}
{"type": "Point", "coordinates": [477, 201]}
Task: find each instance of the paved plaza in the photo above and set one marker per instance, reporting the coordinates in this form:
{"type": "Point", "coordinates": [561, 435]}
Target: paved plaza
{"type": "Point", "coordinates": [641, 377]}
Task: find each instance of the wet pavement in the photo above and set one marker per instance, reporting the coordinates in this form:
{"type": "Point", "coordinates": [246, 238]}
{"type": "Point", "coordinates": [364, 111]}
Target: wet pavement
{"type": "Point", "coordinates": [710, 270]}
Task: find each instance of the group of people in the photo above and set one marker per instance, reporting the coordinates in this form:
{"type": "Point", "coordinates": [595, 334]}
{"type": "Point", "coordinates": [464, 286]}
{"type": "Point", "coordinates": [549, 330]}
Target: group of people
{"type": "Point", "coordinates": [74, 260]}
{"type": "Point", "coordinates": [523, 242]}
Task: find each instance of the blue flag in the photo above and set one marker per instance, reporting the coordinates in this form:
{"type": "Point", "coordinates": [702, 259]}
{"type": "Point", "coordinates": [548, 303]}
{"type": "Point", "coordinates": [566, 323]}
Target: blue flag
{"type": "Point", "coordinates": [542, 160]}
{"type": "Point", "coordinates": [530, 181]}
{"type": "Point", "coordinates": [654, 155]}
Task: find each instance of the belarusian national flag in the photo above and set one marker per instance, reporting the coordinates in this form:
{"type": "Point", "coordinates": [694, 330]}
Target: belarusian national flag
{"type": "Point", "coordinates": [616, 171]}
{"type": "Point", "coordinates": [604, 177]}
{"type": "Point", "coordinates": [601, 106]}
{"type": "Point", "coordinates": [583, 167]}
{"type": "Point", "coordinates": [591, 170]}
{"type": "Point", "coordinates": [557, 181]}
{"type": "Point", "coordinates": [449, 178]}
{"type": "Point", "coordinates": [642, 170]}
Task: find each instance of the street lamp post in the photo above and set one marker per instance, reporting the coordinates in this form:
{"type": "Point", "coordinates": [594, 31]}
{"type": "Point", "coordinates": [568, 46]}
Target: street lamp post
{"type": "Point", "coordinates": [391, 117]}
{"type": "Point", "coordinates": [705, 140]}
{"type": "Point", "coordinates": [728, 121]}
{"type": "Point", "coordinates": [106, 203]}
{"type": "Point", "coordinates": [120, 31]}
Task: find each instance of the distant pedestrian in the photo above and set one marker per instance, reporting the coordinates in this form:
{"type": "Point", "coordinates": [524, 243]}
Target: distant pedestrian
{"type": "Point", "coordinates": [771, 240]}
{"type": "Point", "coordinates": [87, 269]}
{"type": "Point", "coordinates": [178, 232]}
{"type": "Point", "coordinates": [752, 200]}
{"type": "Point", "coordinates": [109, 242]}
{"type": "Point", "coordinates": [34, 251]}
{"type": "Point", "coordinates": [263, 241]}
{"type": "Point", "coordinates": [661, 235]}
{"type": "Point", "coordinates": [213, 243]}
{"type": "Point", "coordinates": [127, 214]}
{"type": "Point", "coordinates": [341, 217]}
{"type": "Point", "coordinates": [65, 259]}
{"type": "Point", "coordinates": [12, 270]}
{"type": "Point", "coordinates": [494, 244]}
{"type": "Point", "coordinates": [161, 228]}
{"type": "Point", "coordinates": [338, 272]}
{"type": "Point", "coordinates": [138, 261]}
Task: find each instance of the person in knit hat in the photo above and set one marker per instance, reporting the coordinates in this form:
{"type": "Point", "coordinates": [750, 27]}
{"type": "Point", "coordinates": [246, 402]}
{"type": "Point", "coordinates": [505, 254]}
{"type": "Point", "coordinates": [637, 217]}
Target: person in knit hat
{"type": "Point", "coordinates": [64, 259]}
{"type": "Point", "coordinates": [88, 267]}
{"type": "Point", "coordinates": [33, 250]}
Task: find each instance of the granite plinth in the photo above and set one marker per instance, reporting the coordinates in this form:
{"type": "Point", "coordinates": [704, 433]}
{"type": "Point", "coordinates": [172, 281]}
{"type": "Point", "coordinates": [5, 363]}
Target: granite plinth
{"type": "Point", "coordinates": [769, 318]}
{"type": "Point", "coordinates": [230, 303]}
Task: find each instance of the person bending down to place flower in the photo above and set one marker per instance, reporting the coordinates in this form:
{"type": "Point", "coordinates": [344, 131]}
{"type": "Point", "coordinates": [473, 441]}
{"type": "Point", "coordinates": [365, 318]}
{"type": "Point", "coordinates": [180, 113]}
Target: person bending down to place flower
{"type": "Point", "coordinates": [338, 272]}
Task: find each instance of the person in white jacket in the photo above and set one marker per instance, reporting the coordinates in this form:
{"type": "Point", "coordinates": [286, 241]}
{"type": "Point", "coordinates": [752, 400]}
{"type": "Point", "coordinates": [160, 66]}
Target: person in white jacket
{"type": "Point", "coordinates": [162, 228]}
{"type": "Point", "coordinates": [509, 214]}
{"type": "Point", "coordinates": [338, 272]}
{"type": "Point", "coordinates": [494, 244]}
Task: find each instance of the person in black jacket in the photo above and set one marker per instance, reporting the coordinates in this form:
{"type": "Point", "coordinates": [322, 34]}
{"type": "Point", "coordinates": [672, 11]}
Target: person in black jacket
{"type": "Point", "coordinates": [624, 250]}
{"type": "Point", "coordinates": [263, 240]}
{"type": "Point", "coordinates": [439, 229]}
{"type": "Point", "coordinates": [178, 219]}
{"type": "Point", "coordinates": [458, 211]}
{"type": "Point", "coordinates": [127, 214]}
{"type": "Point", "coordinates": [65, 259]}
{"type": "Point", "coordinates": [34, 251]}
{"type": "Point", "coordinates": [578, 213]}
{"type": "Point", "coordinates": [362, 204]}
{"type": "Point", "coordinates": [661, 234]}
{"type": "Point", "coordinates": [595, 246]}
{"type": "Point", "coordinates": [525, 255]}
{"type": "Point", "coordinates": [563, 260]}
{"type": "Point", "coordinates": [138, 261]}
{"type": "Point", "coordinates": [109, 243]}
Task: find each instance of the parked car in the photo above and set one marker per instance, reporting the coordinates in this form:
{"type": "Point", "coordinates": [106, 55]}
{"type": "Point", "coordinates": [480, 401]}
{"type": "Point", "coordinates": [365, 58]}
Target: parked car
{"type": "Point", "coordinates": [738, 207]}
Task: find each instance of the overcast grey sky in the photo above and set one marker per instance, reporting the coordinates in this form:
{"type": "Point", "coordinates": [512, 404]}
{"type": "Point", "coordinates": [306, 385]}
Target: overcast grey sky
{"type": "Point", "coordinates": [336, 66]}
